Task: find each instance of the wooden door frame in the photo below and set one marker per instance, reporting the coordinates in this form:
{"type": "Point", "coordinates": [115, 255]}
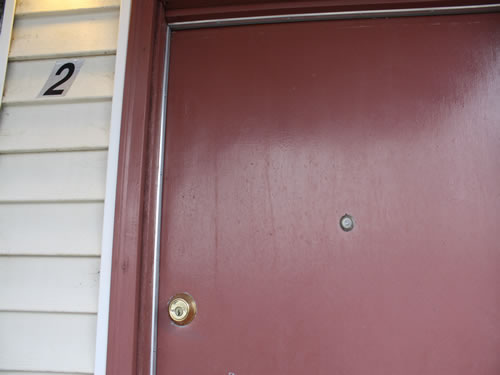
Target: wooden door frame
{"type": "Point", "coordinates": [132, 299]}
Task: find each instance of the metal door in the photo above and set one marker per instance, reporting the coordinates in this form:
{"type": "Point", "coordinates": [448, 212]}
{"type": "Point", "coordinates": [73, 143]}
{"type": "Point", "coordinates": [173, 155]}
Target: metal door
{"type": "Point", "coordinates": [274, 133]}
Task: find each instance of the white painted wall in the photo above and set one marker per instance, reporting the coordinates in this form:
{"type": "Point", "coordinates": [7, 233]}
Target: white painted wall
{"type": "Point", "coordinates": [53, 161]}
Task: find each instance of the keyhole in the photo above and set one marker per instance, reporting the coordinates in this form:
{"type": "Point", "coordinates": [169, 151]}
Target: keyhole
{"type": "Point", "coordinates": [178, 311]}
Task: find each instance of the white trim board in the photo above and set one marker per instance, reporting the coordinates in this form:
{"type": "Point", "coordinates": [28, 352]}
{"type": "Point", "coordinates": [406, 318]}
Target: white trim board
{"type": "Point", "coordinates": [5, 37]}
{"type": "Point", "coordinates": [110, 195]}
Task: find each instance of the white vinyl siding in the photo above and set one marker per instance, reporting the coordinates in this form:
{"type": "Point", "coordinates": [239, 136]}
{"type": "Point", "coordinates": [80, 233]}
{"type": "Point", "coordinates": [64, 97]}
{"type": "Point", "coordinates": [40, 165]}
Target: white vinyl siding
{"type": "Point", "coordinates": [54, 176]}
{"type": "Point", "coordinates": [26, 78]}
{"type": "Point", "coordinates": [47, 342]}
{"type": "Point", "coordinates": [49, 284]}
{"type": "Point", "coordinates": [69, 35]}
{"type": "Point", "coordinates": [53, 155]}
{"type": "Point", "coordinates": [35, 128]}
{"type": "Point", "coordinates": [47, 7]}
{"type": "Point", "coordinates": [54, 228]}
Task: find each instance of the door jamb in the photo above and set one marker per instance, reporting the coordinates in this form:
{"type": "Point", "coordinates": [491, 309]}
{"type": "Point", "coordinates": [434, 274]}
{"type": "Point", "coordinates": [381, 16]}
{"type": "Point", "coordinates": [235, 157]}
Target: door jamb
{"type": "Point", "coordinates": [136, 254]}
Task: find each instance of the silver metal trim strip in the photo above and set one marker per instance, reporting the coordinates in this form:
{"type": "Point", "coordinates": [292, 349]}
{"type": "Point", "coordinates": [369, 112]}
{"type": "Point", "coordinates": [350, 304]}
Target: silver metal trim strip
{"type": "Point", "coordinates": [304, 17]}
{"type": "Point", "coordinates": [158, 210]}
{"type": "Point", "coordinates": [386, 13]}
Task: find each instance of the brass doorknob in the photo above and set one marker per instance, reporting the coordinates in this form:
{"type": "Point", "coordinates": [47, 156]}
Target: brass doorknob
{"type": "Point", "coordinates": [182, 309]}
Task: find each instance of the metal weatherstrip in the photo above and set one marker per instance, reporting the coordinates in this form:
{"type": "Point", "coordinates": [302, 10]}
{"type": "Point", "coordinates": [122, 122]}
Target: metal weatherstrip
{"type": "Point", "coordinates": [383, 13]}
{"type": "Point", "coordinates": [158, 211]}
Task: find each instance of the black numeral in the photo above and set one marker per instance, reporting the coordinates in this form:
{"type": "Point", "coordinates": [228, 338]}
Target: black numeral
{"type": "Point", "coordinates": [70, 67]}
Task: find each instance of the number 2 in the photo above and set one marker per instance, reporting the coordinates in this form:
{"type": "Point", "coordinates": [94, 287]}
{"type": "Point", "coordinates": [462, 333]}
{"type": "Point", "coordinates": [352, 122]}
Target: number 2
{"type": "Point", "coordinates": [70, 67]}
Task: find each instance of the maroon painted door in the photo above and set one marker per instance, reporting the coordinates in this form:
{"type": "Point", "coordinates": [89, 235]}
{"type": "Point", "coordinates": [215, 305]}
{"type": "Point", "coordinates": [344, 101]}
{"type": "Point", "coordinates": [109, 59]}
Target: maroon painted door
{"type": "Point", "coordinates": [274, 132]}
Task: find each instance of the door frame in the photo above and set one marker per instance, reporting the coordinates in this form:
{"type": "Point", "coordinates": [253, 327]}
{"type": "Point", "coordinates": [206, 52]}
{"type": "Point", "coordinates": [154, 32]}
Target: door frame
{"type": "Point", "coordinates": [136, 240]}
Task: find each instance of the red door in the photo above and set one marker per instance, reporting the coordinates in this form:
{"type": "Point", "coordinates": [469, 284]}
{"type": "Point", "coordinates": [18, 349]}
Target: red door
{"type": "Point", "coordinates": [274, 133]}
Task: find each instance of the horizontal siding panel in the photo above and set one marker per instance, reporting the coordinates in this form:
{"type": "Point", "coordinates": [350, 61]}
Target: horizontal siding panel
{"type": "Point", "coordinates": [54, 228]}
{"type": "Point", "coordinates": [64, 36]}
{"type": "Point", "coordinates": [47, 342]}
{"type": "Point", "coordinates": [50, 176]}
{"type": "Point", "coordinates": [51, 127]}
{"type": "Point", "coordinates": [32, 7]}
{"type": "Point", "coordinates": [49, 284]}
{"type": "Point", "coordinates": [25, 79]}
{"type": "Point", "coordinates": [11, 372]}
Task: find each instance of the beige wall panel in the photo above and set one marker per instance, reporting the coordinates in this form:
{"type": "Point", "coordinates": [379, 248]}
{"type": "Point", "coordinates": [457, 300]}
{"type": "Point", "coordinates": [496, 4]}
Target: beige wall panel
{"type": "Point", "coordinates": [53, 228]}
{"type": "Point", "coordinates": [51, 176]}
{"type": "Point", "coordinates": [38, 373]}
{"type": "Point", "coordinates": [25, 79]}
{"type": "Point", "coordinates": [55, 127]}
{"type": "Point", "coordinates": [49, 284]}
{"type": "Point", "coordinates": [30, 7]}
{"type": "Point", "coordinates": [64, 36]}
{"type": "Point", "coordinates": [47, 342]}
{"type": "Point", "coordinates": [52, 181]}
